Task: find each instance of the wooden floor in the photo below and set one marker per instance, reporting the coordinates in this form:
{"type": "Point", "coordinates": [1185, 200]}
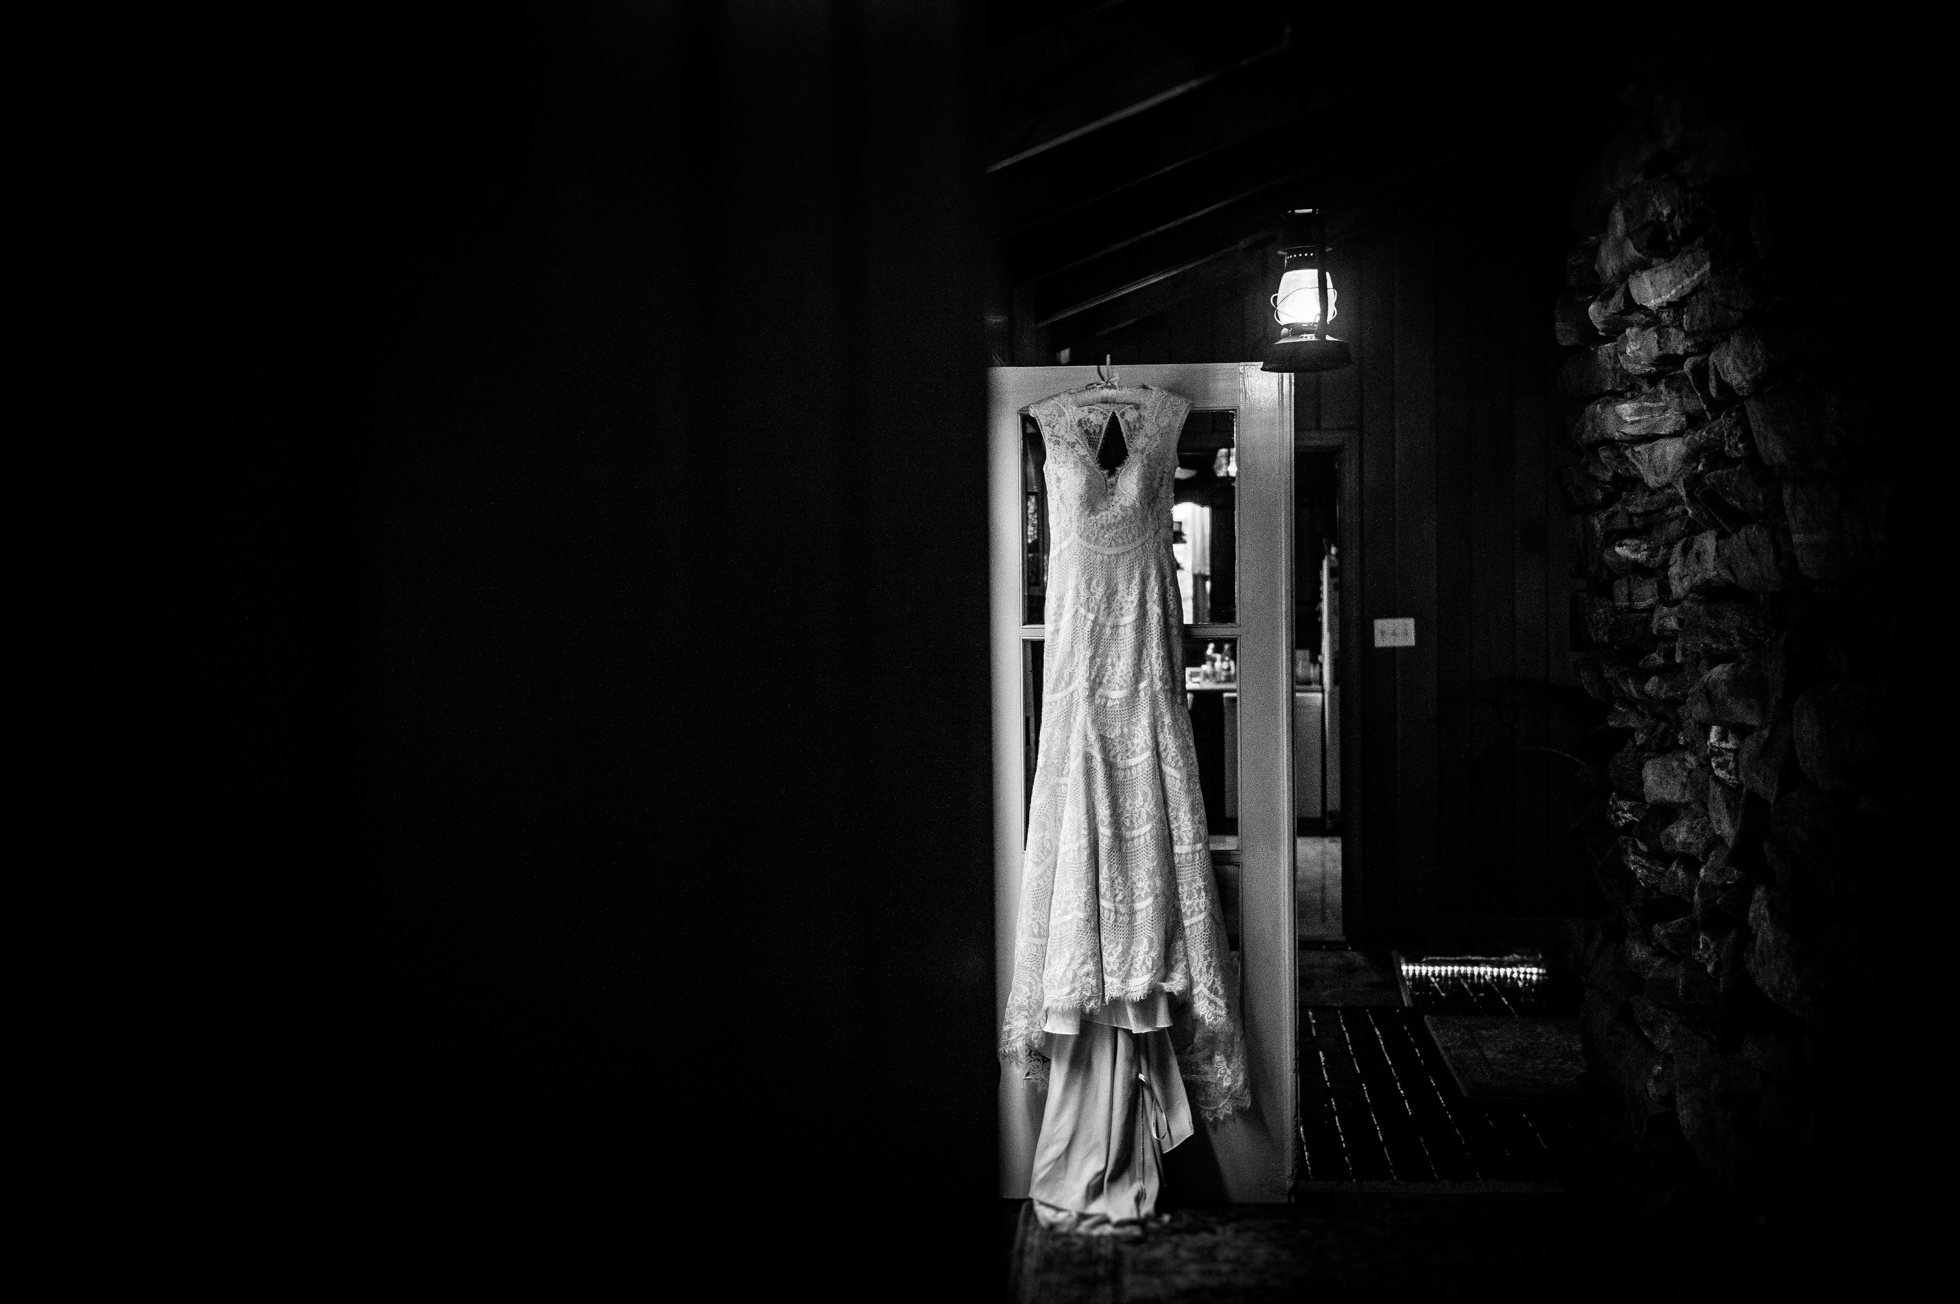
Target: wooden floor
{"type": "Point", "coordinates": [1378, 1104]}
{"type": "Point", "coordinates": [1398, 1246]}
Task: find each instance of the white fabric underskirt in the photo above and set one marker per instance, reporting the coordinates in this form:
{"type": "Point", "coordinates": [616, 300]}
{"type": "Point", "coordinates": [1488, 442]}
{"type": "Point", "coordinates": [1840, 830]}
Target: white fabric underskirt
{"type": "Point", "coordinates": [1147, 1015]}
{"type": "Point", "coordinates": [1115, 1105]}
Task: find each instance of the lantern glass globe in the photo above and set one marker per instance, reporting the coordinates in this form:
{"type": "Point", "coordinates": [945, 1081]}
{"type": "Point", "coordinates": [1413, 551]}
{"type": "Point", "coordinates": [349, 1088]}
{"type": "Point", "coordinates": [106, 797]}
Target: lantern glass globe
{"type": "Point", "coordinates": [1298, 302]}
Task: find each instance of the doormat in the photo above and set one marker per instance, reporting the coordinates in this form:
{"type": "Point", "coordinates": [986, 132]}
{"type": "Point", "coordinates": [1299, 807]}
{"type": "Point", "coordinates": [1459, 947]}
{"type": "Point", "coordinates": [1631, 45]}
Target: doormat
{"type": "Point", "coordinates": [1508, 1058]}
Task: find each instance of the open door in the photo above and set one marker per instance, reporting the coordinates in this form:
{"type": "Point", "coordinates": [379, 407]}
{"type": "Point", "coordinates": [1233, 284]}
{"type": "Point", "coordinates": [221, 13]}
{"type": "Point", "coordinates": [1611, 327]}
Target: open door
{"type": "Point", "coordinates": [1235, 554]}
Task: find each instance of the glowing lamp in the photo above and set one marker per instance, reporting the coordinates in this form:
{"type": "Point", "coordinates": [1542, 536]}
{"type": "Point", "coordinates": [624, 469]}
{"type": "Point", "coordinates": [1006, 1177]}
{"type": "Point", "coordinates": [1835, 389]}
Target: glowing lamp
{"type": "Point", "coordinates": [1305, 303]}
{"type": "Point", "coordinates": [1297, 305]}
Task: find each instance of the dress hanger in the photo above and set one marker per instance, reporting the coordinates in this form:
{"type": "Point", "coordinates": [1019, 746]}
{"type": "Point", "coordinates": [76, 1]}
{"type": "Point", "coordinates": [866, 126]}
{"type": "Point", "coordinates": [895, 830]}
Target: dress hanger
{"type": "Point", "coordinates": [1107, 379]}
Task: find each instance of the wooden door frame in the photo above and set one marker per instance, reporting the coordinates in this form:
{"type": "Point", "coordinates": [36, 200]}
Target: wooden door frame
{"type": "Point", "coordinates": [1252, 1154]}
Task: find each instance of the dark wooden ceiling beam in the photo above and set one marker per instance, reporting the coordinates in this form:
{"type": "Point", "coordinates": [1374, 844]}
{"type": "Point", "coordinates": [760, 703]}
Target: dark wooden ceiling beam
{"type": "Point", "coordinates": [1153, 258]}
{"type": "Point", "coordinates": [1095, 68]}
{"type": "Point", "coordinates": [1234, 108]}
{"type": "Point", "coordinates": [1154, 204]}
{"type": "Point", "coordinates": [1229, 272]}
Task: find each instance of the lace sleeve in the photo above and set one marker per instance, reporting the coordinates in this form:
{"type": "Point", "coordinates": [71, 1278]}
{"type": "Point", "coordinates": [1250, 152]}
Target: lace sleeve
{"type": "Point", "coordinates": [1169, 416]}
{"type": "Point", "coordinates": [1051, 414]}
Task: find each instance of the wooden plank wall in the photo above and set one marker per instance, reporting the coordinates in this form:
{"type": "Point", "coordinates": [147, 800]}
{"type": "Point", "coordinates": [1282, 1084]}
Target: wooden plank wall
{"type": "Point", "coordinates": [1459, 807]}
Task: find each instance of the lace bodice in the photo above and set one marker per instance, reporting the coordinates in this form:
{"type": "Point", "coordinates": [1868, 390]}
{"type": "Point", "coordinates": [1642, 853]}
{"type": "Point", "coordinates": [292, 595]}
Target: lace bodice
{"type": "Point", "coordinates": [1115, 510]}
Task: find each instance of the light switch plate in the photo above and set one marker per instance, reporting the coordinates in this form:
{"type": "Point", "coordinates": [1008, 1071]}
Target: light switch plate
{"type": "Point", "coordinates": [1396, 631]}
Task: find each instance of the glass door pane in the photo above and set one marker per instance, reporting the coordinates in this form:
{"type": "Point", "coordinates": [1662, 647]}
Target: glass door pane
{"type": "Point", "coordinates": [1204, 519]}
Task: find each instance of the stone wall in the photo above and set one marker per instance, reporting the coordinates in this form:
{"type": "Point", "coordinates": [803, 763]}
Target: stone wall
{"type": "Point", "coordinates": [1732, 512]}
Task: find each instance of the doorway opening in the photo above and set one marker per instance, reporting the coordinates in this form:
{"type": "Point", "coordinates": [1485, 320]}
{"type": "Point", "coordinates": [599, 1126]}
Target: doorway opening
{"type": "Point", "coordinates": [1316, 696]}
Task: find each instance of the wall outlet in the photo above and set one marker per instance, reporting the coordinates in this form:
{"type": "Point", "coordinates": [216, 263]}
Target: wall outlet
{"type": "Point", "coordinates": [1396, 631]}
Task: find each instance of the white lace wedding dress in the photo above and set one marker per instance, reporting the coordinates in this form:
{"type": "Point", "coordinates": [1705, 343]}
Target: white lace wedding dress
{"type": "Point", "coordinates": [1119, 915]}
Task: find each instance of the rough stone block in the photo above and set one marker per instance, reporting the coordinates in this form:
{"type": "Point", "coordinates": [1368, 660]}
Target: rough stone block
{"type": "Point", "coordinates": [1677, 937]}
{"type": "Point", "coordinates": [1647, 226]}
{"type": "Point", "coordinates": [1658, 216]}
{"type": "Point", "coordinates": [1662, 462]}
{"type": "Point", "coordinates": [1775, 959]}
{"type": "Point", "coordinates": [1690, 835]}
{"type": "Point", "coordinates": [1742, 362]}
{"type": "Point", "coordinates": [1679, 880]}
{"type": "Point", "coordinates": [1650, 553]}
{"type": "Point", "coordinates": [1723, 743]}
{"type": "Point", "coordinates": [1836, 730]}
{"type": "Point", "coordinates": [1595, 423]}
{"type": "Point", "coordinates": [1695, 369]}
{"type": "Point", "coordinates": [1667, 687]}
{"type": "Point", "coordinates": [1614, 311]}
{"type": "Point", "coordinates": [1737, 439]}
{"type": "Point", "coordinates": [1675, 279]}
{"type": "Point", "coordinates": [1616, 255]}
{"type": "Point", "coordinates": [1643, 957]}
{"type": "Point", "coordinates": [1619, 563]}
{"type": "Point", "coordinates": [1719, 907]}
{"type": "Point", "coordinates": [1715, 1097]}
{"type": "Point", "coordinates": [1669, 779]}
{"type": "Point", "coordinates": [1719, 306]}
{"type": "Point", "coordinates": [1595, 371]}
{"type": "Point", "coordinates": [1680, 392]}
{"type": "Point", "coordinates": [1646, 870]}
{"type": "Point", "coordinates": [1626, 771]}
{"type": "Point", "coordinates": [1756, 558]}
{"type": "Point", "coordinates": [1731, 693]}
{"type": "Point", "coordinates": [1709, 509]}
{"type": "Point", "coordinates": [1695, 565]}
{"type": "Point", "coordinates": [1656, 1024]}
{"type": "Point", "coordinates": [1626, 1058]}
{"type": "Point", "coordinates": [1669, 986]}
{"type": "Point", "coordinates": [1572, 322]}
{"type": "Point", "coordinates": [1767, 759]}
{"type": "Point", "coordinates": [1608, 461]}
{"type": "Point", "coordinates": [1636, 593]}
{"type": "Point", "coordinates": [1748, 487]}
{"type": "Point", "coordinates": [1631, 630]}
{"type": "Point", "coordinates": [1651, 509]}
{"type": "Point", "coordinates": [1645, 349]}
{"type": "Point", "coordinates": [1711, 626]}
{"type": "Point", "coordinates": [1725, 808]}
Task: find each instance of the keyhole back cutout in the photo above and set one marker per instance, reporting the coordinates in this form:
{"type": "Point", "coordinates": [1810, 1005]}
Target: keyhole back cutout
{"type": "Point", "coordinates": [1113, 450]}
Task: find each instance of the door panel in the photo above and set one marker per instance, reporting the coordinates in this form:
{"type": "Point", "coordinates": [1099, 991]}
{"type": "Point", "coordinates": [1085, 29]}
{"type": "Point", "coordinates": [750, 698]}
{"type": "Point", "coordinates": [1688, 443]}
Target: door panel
{"type": "Point", "coordinates": [1248, 1158]}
